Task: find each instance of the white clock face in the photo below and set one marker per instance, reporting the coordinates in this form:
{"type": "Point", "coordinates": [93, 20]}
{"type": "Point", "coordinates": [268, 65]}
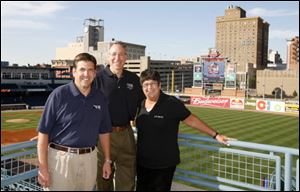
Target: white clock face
{"type": "Point", "coordinates": [86, 29]}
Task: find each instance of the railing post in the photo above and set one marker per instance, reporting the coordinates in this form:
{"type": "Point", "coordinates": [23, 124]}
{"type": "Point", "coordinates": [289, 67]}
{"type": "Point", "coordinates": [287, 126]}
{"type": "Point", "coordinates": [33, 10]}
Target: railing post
{"type": "Point", "coordinates": [297, 175]}
{"type": "Point", "coordinates": [287, 171]}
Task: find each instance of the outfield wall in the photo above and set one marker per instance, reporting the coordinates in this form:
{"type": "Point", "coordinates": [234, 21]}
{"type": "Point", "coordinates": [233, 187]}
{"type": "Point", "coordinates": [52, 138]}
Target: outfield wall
{"type": "Point", "coordinates": [241, 103]}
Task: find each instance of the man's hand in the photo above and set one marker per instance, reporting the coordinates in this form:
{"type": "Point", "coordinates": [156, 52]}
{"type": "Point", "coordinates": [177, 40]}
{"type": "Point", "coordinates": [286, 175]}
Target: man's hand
{"type": "Point", "coordinates": [44, 177]}
{"type": "Point", "coordinates": [106, 170]}
{"type": "Point", "coordinates": [34, 138]}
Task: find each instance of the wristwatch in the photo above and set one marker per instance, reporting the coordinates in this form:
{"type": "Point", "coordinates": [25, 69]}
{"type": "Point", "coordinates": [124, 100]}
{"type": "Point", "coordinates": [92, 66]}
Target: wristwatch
{"type": "Point", "coordinates": [108, 161]}
{"type": "Point", "coordinates": [216, 134]}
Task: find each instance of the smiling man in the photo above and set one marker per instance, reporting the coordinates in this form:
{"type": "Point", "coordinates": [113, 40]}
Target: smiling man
{"type": "Point", "coordinates": [124, 93]}
{"type": "Point", "coordinates": [75, 117]}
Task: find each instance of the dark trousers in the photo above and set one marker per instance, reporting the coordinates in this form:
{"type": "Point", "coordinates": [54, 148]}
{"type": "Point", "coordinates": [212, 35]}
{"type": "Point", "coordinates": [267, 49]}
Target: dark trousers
{"type": "Point", "coordinates": [154, 179]}
{"type": "Point", "coordinates": [123, 155]}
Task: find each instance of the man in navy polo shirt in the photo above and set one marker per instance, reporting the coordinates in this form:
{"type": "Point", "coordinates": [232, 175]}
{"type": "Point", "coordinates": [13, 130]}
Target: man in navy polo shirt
{"type": "Point", "coordinates": [75, 117]}
{"type": "Point", "coordinates": [124, 93]}
{"type": "Point", "coordinates": [157, 127]}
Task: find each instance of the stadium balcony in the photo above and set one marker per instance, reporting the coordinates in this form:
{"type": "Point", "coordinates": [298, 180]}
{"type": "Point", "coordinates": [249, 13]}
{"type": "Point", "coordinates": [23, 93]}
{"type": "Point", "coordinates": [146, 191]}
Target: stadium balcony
{"type": "Point", "coordinates": [54, 86]}
{"type": "Point", "coordinates": [35, 87]}
{"type": "Point", "coordinates": [8, 87]}
{"type": "Point", "coordinates": [204, 163]}
{"type": "Point", "coordinates": [36, 99]}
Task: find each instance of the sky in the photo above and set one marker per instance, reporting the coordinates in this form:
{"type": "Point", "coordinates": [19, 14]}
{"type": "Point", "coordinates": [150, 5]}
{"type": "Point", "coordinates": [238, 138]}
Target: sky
{"type": "Point", "coordinates": [31, 31]}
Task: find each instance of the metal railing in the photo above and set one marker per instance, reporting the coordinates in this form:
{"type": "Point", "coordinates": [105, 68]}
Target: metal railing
{"type": "Point", "coordinates": [204, 162]}
{"type": "Point", "coordinates": [19, 167]}
{"type": "Point", "coordinates": [242, 166]}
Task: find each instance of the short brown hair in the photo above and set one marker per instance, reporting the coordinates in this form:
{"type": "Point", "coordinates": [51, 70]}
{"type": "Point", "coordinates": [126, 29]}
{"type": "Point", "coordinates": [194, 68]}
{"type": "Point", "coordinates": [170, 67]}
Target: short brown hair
{"type": "Point", "coordinates": [149, 74]}
{"type": "Point", "coordinates": [84, 57]}
{"type": "Point", "coordinates": [118, 43]}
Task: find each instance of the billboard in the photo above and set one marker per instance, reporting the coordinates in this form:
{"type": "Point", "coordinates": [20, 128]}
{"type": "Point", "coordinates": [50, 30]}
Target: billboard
{"type": "Point", "coordinates": [277, 106]}
{"type": "Point", "coordinates": [210, 102]}
{"type": "Point", "coordinates": [292, 106]}
{"type": "Point", "coordinates": [268, 105]}
{"type": "Point", "coordinates": [213, 71]}
{"type": "Point", "coordinates": [262, 105]}
{"type": "Point", "coordinates": [197, 78]}
{"type": "Point", "coordinates": [237, 103]}
{"type": "Point", "coordinates": [230, 75]}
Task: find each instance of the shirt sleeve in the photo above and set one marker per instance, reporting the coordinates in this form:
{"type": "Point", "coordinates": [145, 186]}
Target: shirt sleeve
{"type": "Point", "coordinates": [48, 119]}
{"type": "Point", "coordinates": [180, 111]}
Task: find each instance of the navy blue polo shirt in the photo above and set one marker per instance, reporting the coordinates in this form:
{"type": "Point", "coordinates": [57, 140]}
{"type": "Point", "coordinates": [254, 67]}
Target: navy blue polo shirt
{"type": "Point", "coordinates": [124, 94]}
{"type": "Point", "coordinates": [73, 120]}
{"type": "Point", "coordinates": [157, 145]}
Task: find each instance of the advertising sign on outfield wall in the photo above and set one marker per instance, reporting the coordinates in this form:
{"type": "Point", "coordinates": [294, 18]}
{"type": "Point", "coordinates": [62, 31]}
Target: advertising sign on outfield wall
{"type": "Point", "coordinates": [262, 105]}
{"type": "Point", "coordinates": [268, 105]}
{"type": "Point", "coordinates": [277, 106]}
{"type": "Point", "coordinates": [210, 102]}
{"type": "Point", "coordinates": [237, 103]}
{"type": "Point", "coordinates": [292, 106]}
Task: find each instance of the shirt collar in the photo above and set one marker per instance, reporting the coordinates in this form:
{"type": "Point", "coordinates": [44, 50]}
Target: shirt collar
{"type": "Point", "coordinates": [109, 73]}
{"type": "Point", "coordinates": [75, 92]}
{"type": "Point", "coordinates": [161, 98]}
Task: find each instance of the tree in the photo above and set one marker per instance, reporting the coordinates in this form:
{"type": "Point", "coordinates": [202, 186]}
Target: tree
{"type": "Point", "coordinates": [276, 92]}
{"type": "Point", "coordinates": [295, 93]}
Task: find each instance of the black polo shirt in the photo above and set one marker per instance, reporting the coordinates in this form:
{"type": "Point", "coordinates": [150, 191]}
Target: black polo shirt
{"type": "Point", "coordinates": [124, 94]}
{"type": "Point", "coordinates": [157, 145]}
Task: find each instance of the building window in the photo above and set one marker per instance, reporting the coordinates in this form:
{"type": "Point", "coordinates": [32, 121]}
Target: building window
{"type": "Point", "coordinates": [16, 75]}
{"type": "Point", "coordinates": [26, 76]}
{"type": "Point", "coordinates": [35, 76]}
{"type": "Point", "coordinates": [44, 75]}
{"type": "Point", "coordinates": [6, 75]}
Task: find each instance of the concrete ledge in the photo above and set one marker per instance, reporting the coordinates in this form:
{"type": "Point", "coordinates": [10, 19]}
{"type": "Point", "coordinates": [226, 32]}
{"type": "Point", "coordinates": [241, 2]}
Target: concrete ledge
{"type": "Point", "coordinates": [181, 187]}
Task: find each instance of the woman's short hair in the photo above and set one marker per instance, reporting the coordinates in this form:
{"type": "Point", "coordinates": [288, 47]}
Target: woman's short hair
{"type": "Point", "coordinates": [149, 74]}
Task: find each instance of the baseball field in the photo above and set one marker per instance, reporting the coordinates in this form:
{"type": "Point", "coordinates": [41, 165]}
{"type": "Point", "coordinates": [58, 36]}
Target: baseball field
{"type": "Point", "coordinates": [250, 126]}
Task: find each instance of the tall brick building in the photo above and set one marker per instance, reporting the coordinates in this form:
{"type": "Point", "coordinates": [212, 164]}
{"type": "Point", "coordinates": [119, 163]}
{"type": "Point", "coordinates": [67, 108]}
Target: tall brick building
{"type": "Point", "coordinates": [293, 54]}
{"type": "Point", "coordinates": [243, 40]}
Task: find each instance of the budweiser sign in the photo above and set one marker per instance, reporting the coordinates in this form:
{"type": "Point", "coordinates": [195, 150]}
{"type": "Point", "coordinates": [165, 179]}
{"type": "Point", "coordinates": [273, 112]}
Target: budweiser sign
{"type": "Point", "coordinates": [210, 102]}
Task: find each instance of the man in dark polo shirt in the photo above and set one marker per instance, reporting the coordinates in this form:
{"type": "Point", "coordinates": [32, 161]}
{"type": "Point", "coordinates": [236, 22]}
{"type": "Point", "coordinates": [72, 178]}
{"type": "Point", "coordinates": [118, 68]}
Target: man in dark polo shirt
{"type": "Point", "coordinates": [75, 116]}
{"type": "Point", "coordinates": [123, 91]}
{"type": "Point", "coordinates": [157, 127]}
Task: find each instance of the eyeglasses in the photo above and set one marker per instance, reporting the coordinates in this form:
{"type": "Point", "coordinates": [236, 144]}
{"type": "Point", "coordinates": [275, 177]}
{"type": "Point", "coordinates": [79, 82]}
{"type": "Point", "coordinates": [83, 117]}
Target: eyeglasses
{"type": "Point", "coordinates": [114, 54]}
{"type": "Point", "coordinates": [146, 85]}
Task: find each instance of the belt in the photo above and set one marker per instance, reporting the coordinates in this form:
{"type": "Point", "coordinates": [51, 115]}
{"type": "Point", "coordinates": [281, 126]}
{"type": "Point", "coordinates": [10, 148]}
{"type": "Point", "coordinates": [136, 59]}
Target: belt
{"type": "Point", "coordinates": [72, 150]}
{"type": "Point", "coordinates": [120, 128]}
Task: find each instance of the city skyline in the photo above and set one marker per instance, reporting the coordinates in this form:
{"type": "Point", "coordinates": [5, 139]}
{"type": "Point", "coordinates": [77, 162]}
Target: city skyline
{"type": "Point", "coordinates": [31, 31]}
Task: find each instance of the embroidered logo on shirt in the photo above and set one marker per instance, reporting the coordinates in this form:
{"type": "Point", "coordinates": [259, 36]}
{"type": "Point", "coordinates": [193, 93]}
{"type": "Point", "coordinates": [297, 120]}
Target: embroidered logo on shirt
{"type": "Point", "coordinates": [97, 107]}
{"type": "Point", "coordinates": [158, 116]}
{"type": "Point", "coordinates": [129, 86]}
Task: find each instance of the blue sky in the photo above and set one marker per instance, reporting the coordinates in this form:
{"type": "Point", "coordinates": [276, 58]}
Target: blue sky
{"type": "Point", "coordinates": [30, 31]}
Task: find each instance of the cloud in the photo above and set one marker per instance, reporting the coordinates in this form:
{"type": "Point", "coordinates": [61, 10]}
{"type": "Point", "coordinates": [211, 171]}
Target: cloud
{"type": "Point", "coordinates": [30, 8]}
{"type": "Point", "coordinates": [271, 13]}
{"type": "Point", "coordinates": [283, 34]}
{"type": "Point", "coordinates": [24, 15]}
{"type": "Point", "coordinates": [23, 24]}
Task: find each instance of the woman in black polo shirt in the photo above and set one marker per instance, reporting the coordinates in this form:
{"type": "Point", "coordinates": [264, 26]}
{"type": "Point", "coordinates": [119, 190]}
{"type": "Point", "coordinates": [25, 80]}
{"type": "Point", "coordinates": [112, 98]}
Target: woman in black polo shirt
{"type": "Point", "coordinates": [157, 124]}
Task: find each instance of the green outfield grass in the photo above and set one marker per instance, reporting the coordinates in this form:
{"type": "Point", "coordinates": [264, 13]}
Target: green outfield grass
{"type": "Point", "coordinates": [250, 126]}
{"type": "Point", "coordinates": [33, 117]}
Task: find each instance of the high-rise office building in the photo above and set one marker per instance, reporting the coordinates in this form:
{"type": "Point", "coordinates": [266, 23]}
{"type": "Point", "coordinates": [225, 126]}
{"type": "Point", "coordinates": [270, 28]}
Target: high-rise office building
{"type": "Point", "coordinates": [93, 42]}
{"type": "Point", "coordinates": [243, 40]}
